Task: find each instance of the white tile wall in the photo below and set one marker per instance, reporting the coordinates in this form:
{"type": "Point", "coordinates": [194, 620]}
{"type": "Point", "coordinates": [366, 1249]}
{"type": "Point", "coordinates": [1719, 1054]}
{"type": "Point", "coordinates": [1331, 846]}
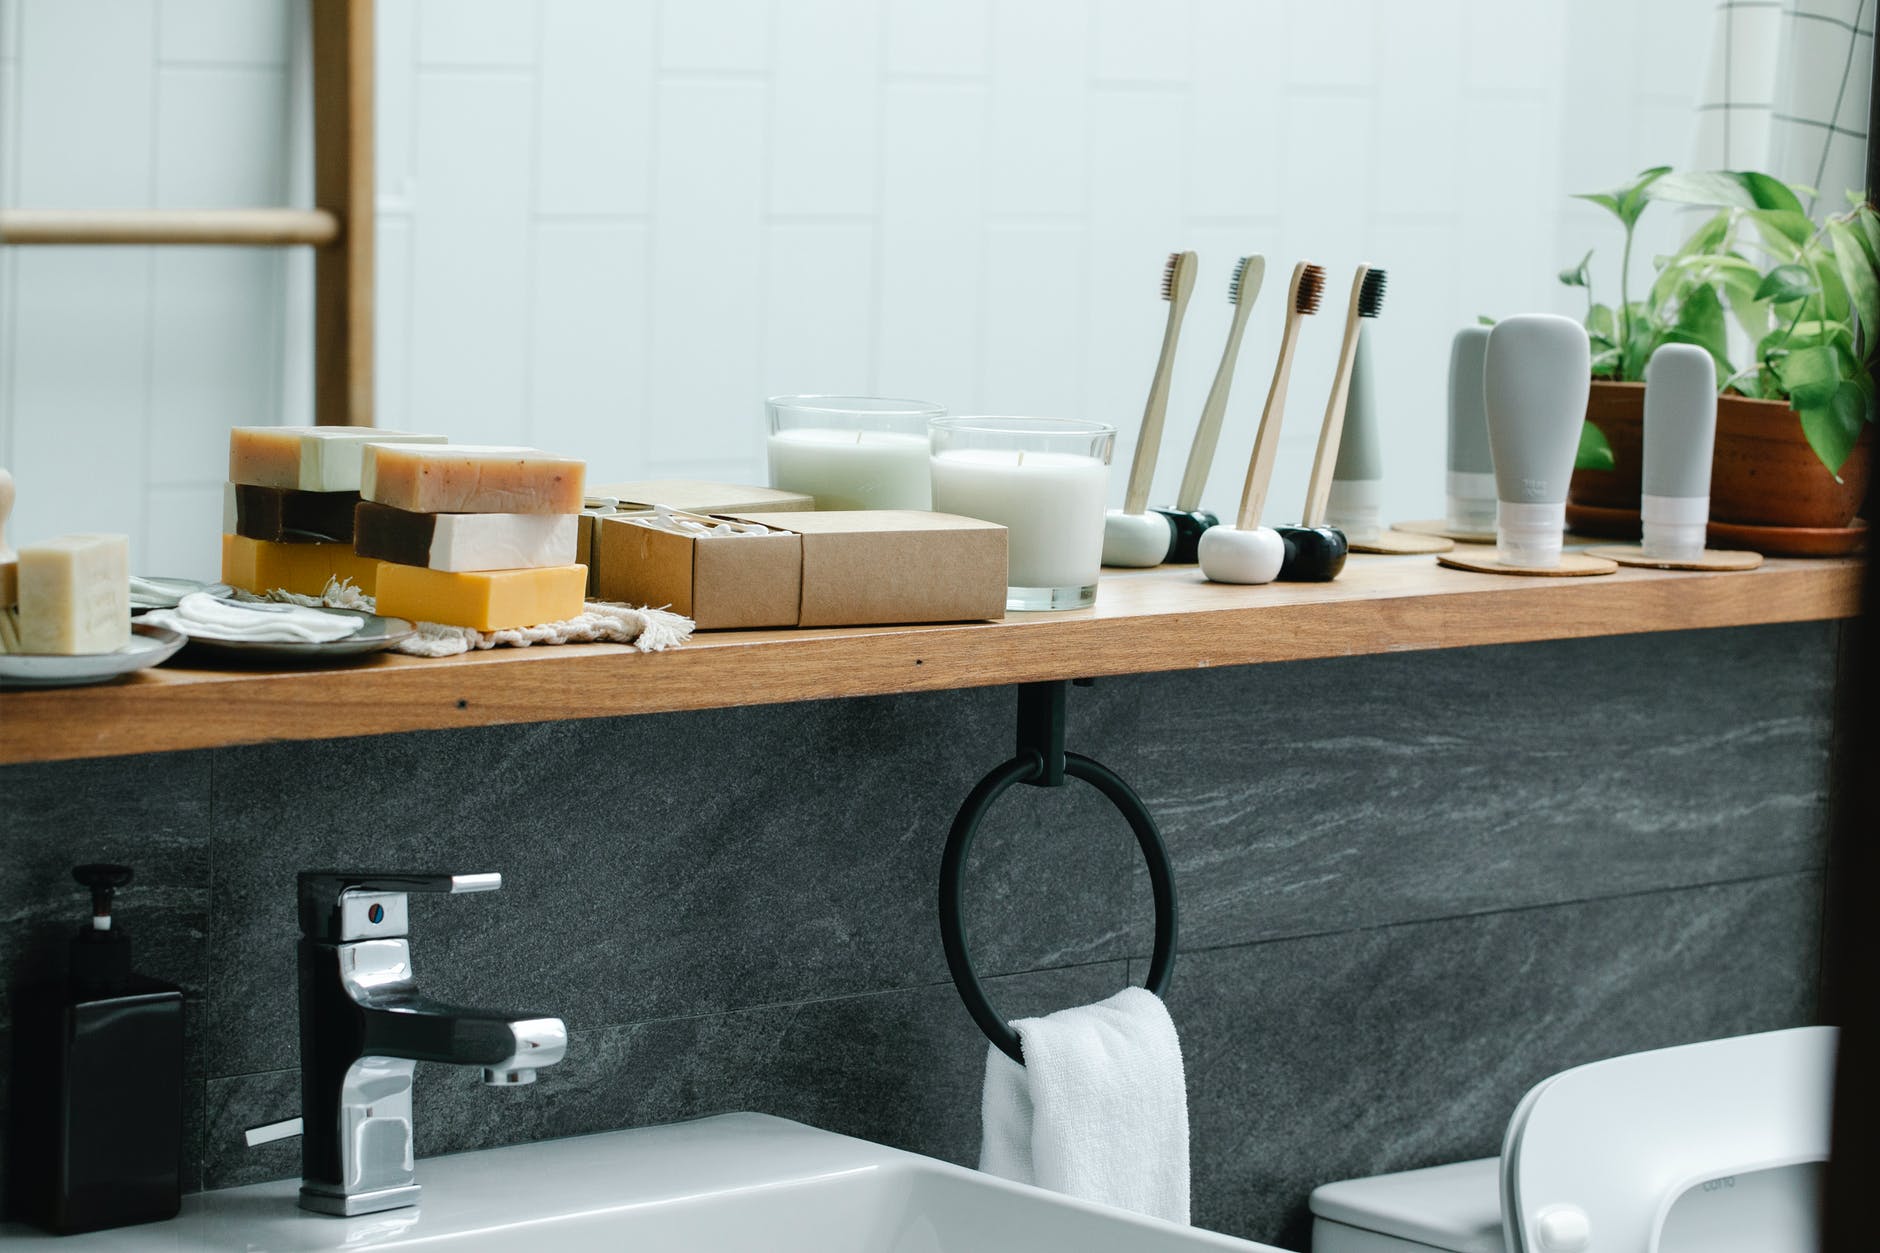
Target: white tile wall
{"type": "Point", "coordinates": [613, 226]}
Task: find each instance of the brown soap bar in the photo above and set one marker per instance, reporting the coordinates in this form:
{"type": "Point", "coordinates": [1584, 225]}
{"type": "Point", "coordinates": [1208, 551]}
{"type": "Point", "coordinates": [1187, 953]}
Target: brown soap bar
{"type": "Point", "coordinates": [470, 478]}
{"type": "Point", "coordinates": [279, 513]}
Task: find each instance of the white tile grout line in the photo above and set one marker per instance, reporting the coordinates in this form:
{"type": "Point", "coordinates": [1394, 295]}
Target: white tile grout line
{"type": "Point", "coordinates": [531, 230]}
{"type": "Point", "coordinates": [141, 541]}
{"type": "Point", "coordinates": [878, 281]}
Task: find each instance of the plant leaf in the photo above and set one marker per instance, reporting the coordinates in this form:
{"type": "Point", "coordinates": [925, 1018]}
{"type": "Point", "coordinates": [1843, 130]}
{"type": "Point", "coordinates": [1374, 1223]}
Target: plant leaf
{"type": "Point", "coordinates": [1601, 323]}
{"type": "Point", "coordinates": [1595, 452]}
{"type": "Point", "coordinates": [1628, 202]}
{"type": "Point", "coordinates": [1737, 189]}
{"type": "Point", "coordinates": [1811, 331]}
{"type": "Point", "coordinates": [1701, 322]}
{"type": "Point", "coordinates": [1482, 319]}
{"type": "Point", "coordinates": [1833, 426]}
{"type": "Point", "coordinates": [1786, 283]}
{"type": "Point", "coordinates": [1782, 230]}
{"type": "Point", "coordinates": [1810, 376]}
{"type": "Point", "coordinates": [1577, 276]}
{"type": "Point", "coordinates": [1863, 291]}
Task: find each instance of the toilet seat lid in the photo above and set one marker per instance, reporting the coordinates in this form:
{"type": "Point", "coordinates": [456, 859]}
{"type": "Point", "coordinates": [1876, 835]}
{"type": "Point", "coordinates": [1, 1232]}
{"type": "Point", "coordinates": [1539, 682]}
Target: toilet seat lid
{"type": "Point", "coordinates": [1612, 1146]}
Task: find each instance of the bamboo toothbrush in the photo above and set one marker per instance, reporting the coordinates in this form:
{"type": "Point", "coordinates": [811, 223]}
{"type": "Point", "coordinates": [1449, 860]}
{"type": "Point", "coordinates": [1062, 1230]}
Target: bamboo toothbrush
{"type": "Point", "coordinates": [1133, 536]}
{"type": "Point", "coordinates": [1248, 552]}
{"type": "Point", "coordinates": [1188, 517]}
{"type": "Point", "coordinates": [1316, 552]}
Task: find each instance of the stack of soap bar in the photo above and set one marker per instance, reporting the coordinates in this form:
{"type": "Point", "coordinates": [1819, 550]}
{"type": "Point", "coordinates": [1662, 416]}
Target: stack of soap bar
{"type": "Point", "coordinates": [75, 595]}
{"type": "Point", "coordinates": [472, 536]}
{"type": "Point", "coordinates": [465, 541]}
{"type": "Point", "coordinates": [288, 513]}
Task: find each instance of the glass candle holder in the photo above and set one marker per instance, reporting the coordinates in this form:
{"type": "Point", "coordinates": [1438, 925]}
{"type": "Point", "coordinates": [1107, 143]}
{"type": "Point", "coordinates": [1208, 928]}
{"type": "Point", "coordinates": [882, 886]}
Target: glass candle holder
{"type": "Point", "coordinates": [852, 452]}
{"type": "Point", "coordinates": [1047, 481]}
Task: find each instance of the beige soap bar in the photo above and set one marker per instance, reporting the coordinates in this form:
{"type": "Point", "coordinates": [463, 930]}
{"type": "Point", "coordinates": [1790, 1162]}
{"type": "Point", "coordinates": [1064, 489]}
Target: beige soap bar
{"type": "Point", "coordinates": [471, 478]}
{"type": "Point", "coordinates": [306, 458]}
{"type": "Point", "coordinates": [75, 595]}
{"type": "Point", "coordinates": [9, 560]}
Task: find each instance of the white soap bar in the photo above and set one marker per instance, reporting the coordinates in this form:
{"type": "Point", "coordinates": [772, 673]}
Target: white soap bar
{"type": "Point", "coordinates": [307, 458]}
{"type": "Point", "coordinates": [75, 595]}
{"type": "Point", "coordinates": [464, 542]}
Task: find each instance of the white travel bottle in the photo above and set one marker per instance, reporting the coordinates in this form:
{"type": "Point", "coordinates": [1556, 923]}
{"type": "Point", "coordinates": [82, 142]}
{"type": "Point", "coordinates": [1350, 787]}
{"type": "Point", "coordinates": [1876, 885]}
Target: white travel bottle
{"type": "Point", "coordinates": [1680, 432]}
{"type": "Point", "coordinates": [1471, 468]}
{"type": "Point", "coordinates": [1535, 383]}
{"type": "Point", "coordinates": [1358, 479]}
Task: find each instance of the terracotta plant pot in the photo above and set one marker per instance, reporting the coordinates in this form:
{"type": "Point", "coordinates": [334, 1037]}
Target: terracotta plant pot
{"type": "Point", "coordinates": [1762, 474]}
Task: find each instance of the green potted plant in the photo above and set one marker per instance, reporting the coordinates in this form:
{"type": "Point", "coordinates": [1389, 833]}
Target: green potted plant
{"type": "Point", "coordinates": [1793, 422]}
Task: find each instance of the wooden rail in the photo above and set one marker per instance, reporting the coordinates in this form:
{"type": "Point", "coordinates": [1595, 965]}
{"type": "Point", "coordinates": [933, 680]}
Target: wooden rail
{"type": "Point", "coordinates": [255, 228]}
{"type": "Point", "coordinates": [1156, 620]}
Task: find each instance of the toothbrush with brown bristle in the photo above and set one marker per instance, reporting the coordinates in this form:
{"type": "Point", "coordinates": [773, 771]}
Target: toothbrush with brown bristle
{"type": "Point", "coordinates": [1187, 517]}
{"type": "Point", "coordinates": [1134, 536]}
{"type": "Point", "coordinates": [1316, 552]}
{"type": "Point", "coordinates": [1248, 552]}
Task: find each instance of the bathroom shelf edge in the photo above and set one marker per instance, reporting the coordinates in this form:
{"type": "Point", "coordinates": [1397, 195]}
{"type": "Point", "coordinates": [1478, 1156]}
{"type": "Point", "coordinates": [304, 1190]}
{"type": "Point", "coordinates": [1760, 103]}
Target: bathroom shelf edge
{"type": "Point", "coordinates": [1145, 622]}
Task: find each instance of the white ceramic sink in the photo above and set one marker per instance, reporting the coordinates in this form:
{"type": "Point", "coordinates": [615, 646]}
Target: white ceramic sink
{"type": "Point", "coordinates": [719, 1185]}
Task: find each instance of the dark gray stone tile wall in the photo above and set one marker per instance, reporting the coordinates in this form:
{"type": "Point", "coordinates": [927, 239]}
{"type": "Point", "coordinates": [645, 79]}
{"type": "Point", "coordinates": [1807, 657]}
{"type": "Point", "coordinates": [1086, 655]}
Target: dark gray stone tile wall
{"type": "Point", "coordinates": [1411, 886]}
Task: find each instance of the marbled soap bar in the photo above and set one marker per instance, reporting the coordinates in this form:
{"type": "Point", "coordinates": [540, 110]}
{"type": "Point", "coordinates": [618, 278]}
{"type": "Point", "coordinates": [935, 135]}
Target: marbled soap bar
{"type": "Point", "coordinates": [75, 595]}
{"type": "Point", "coordinates": [308, 458]}
{"type": "Point", "coordinates": [279, 513]}
{"type": "Point", "coordinates": [261, 566]}
{"type": "Point", "coordinates": [491, 601]}
{"type": "Point", "coordinates": [465, 478]}
{"type": "Point", "coordinates": [460, 542]}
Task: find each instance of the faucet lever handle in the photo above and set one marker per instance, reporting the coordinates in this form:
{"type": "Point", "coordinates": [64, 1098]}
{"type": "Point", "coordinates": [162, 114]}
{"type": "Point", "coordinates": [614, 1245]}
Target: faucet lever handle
{"type": "Point", "coordinates": [336, 905]}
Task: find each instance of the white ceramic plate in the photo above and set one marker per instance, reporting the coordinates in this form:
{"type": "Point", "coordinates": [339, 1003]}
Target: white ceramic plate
{"type": "Point", "coordinates": [376, 633]}
{"type": "Point", "coordinates": [149, 646]}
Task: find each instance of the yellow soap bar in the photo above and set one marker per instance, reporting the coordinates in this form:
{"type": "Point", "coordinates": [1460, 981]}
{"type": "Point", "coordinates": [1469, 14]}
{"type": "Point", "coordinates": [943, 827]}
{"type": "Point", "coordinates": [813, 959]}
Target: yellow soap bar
{"type": "Point", "coordinates": [261, 566]}
{"type": "Point", "coordinates": [75, 595]}
{"type": "Point", "coordinates": [488, 600]}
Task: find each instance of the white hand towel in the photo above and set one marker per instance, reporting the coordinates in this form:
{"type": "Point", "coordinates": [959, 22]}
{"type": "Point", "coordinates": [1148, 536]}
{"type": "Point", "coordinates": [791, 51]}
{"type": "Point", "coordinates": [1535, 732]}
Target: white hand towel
{"type": "Point", "coordinates": [203, 616]}
{"type": "Point", "coordinates": [1099, 1110]}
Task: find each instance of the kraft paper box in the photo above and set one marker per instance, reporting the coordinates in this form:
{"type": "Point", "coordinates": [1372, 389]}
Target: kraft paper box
{"type": "Point", "coordinates": [691, 495]}
{"type": "Point", "coordinates": [854, 568]}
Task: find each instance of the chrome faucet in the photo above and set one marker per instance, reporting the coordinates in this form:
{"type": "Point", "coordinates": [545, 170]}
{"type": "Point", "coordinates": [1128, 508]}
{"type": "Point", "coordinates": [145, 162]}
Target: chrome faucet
{"type": "Point", "coordinates": [364, 1025]}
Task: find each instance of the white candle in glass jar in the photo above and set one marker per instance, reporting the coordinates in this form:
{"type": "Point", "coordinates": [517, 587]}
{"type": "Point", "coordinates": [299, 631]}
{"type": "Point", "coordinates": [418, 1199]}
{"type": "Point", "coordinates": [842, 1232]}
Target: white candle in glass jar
{"type": "Point", "coordinates": [852, 469]}
{"type": "Point", "coordinates": [1051, 504]}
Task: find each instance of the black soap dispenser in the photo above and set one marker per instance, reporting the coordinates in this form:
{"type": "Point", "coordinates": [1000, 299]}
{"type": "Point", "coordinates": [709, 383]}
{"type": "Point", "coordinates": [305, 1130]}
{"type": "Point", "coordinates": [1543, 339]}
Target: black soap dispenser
{"type": "Point", "coordinates": [98, 1084]}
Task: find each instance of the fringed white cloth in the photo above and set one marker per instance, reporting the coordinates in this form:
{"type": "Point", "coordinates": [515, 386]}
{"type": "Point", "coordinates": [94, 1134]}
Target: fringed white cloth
{"type": "Point", "coordinates": [601, 622]}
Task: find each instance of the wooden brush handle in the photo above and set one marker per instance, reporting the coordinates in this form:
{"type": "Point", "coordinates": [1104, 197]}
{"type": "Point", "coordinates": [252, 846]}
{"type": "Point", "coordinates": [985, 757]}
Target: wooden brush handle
{"type": "Point", "coordinates": [1208, 434]}
{"type": "Point", "coordinates": [1332, 429]}
{"type": "Point", "coordinates": [1266, 442]}
{"type": "Point", "coordinates": [1149, 442]}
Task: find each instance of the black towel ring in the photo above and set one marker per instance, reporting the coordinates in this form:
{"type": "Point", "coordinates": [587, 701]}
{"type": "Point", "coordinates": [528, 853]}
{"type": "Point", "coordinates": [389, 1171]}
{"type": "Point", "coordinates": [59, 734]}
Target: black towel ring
{"type": "Point", "coordinates": [1032, 765]}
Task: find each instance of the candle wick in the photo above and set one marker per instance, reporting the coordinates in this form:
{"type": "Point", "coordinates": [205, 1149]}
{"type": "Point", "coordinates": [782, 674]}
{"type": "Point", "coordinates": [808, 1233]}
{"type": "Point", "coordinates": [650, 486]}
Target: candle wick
{"type": "Point", "coordinates": [1021, 456]}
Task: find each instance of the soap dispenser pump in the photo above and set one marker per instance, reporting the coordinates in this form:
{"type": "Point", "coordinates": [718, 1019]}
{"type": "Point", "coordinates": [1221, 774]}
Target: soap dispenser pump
{"type": "Point", "coordinates": [98, 1084]}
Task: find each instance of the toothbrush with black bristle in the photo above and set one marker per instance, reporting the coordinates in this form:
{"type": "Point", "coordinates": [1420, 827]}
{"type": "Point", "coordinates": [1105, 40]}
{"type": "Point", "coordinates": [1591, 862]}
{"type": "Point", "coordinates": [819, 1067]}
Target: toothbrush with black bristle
{"type": "Point", "coordinates": [1133, 536]}
{"type": "Point", "coordinates": [1187, 516]}
{"type": "Point", "coordinates": [1248, 552]}
{"type": "Point", "coordinates": [1315, 552]}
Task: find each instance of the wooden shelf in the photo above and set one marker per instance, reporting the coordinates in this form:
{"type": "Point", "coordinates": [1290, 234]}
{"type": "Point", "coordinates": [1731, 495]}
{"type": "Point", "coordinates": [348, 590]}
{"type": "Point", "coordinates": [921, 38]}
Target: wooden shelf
{"type": "Point", "coordinates": [1144, 621]}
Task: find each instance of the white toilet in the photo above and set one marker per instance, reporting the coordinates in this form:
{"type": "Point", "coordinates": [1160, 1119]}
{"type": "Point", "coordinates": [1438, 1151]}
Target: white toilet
{"type": "Point", "coordinates": [1705, 1148]}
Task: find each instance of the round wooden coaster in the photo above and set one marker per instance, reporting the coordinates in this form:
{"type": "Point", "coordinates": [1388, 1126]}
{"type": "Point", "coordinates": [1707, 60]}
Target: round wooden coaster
{"type": "Point", "coordinates": [1397, 543]}
{"type": "Point", "coordinates": [1440, 527]}
{"type": "Point", "coordinates": [1489, 561]}
{"type": "Point", "coordinates": [1712, 558]}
